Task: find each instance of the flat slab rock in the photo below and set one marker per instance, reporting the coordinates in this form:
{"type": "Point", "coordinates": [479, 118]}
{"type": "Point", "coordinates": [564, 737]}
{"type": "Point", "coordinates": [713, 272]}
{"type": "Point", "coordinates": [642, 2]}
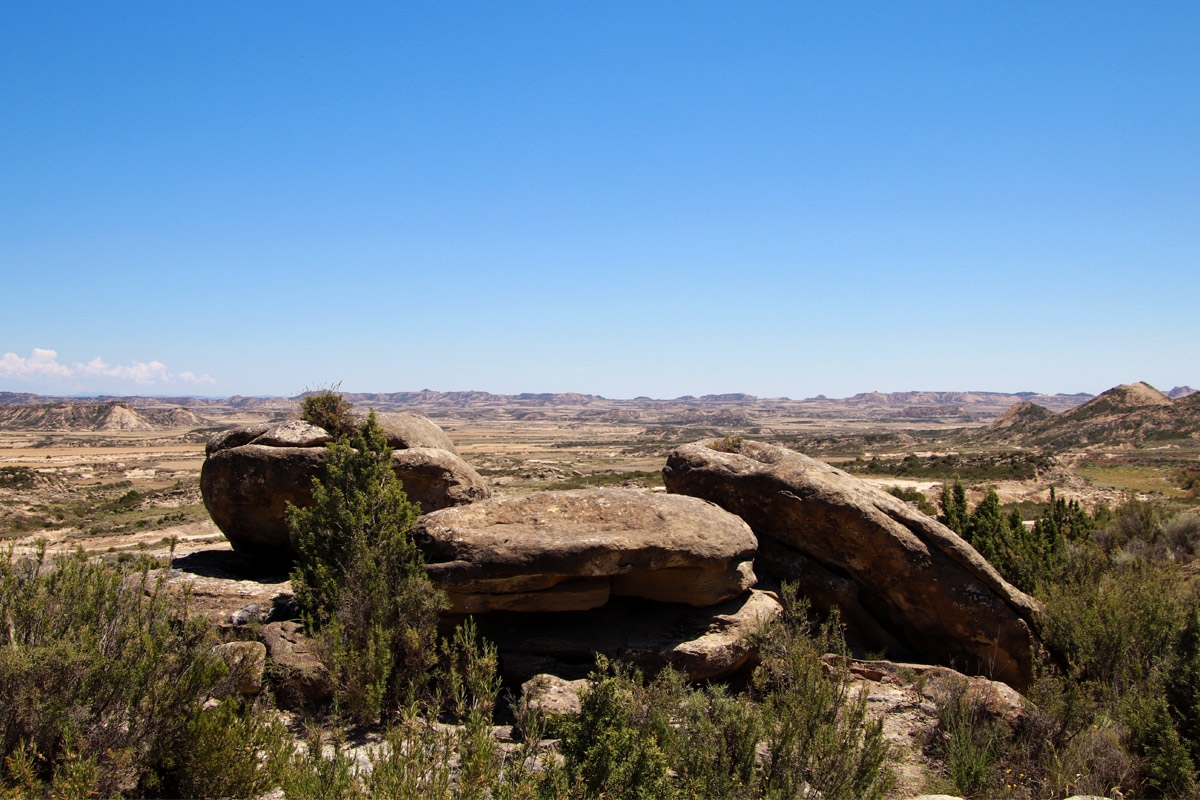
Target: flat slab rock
{"type": "Point", "coordinates": [702, 643]}
{"type": "Point", "coordinates": [573, 550]}
{"type": "Point", "coordinates": [919, 580]}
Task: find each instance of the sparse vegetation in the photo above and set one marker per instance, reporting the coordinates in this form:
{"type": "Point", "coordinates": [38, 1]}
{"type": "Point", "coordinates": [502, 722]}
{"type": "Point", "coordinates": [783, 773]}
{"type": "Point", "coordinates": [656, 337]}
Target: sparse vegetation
{"type": "Point", "coordinates": [910, 495]}
{"type": "Point", "coordinates": [600, 479]}
{"type": "Point", "coordinates": [326, 408]}
{"type": "Point", "coordinates": [103, 676]}
{"type": "Point", "coordinates": [974, 468]}
{"type": "Point", "coordinates": [1117, 707]}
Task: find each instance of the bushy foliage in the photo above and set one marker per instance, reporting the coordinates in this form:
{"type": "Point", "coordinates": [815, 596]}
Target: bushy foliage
{"type": "Point", "coordinates": [1117, 707]}
{"type": "Point", "coordinates": [326, 408]}
{"type": "Point", "coordinates": [820, 738]}
{"type": "Point", "coordinates": [1025, 555]}
{"type": "Point", "coordinates": [359, 580]}
{"type": "Point", "coordinates": [103, 676]}
{"type": "Point", "coordinates": [968, 741]}
{"type": "Point", "coordinates": [799, 732]}
{"type": "Point", "coordinates": [910, 495]}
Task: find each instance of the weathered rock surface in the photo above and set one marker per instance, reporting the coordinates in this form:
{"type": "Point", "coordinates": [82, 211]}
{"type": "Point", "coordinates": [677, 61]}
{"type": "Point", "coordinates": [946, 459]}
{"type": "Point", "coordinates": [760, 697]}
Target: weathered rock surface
{"type": "Point", "coordinates": [550, 694]}
{"type": "Point", "coordinates": [406, 430]}
{"type": "Point", "coordinates": [247, 488]}
{"type": "Point", "coordinates": [235, 437]}
{"type": "Point", "coordinates": [905, 697]}
{"type": "Point", "coordinates": [252, 473]}
{"type": "Point", "coordinates": [435, 479]}
{"type": "Point", "coordinates": [702, 643]}
{"type": "Point", "coordinates": [299, 678]}
{"type": "Point", "coordinates": [572, 550]}
{"type": "Point", "coordinates": [915, 578]}
{"type": "Point", "coordinates": [293, 433]}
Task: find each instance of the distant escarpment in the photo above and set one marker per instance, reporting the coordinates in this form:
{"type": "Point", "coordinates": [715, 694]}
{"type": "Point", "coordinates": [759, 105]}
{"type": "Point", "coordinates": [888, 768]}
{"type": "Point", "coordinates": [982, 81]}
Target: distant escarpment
{"type": "Point", "coordinates": [1134, 414]}
{"type": "Point", "coordinates": [110, 416]}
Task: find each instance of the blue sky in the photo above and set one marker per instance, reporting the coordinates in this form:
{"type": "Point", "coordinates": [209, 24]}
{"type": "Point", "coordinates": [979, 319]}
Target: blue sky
{"type": "Point", "coordinates": [623, 199]}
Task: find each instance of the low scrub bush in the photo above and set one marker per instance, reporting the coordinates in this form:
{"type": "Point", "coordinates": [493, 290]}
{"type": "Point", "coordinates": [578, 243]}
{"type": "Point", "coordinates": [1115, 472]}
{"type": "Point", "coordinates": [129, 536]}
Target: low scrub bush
{"type": "Point", "coordinates": [910, 495]}
{"type": "Point", "coordinates": [326, 408]}
{"type": "Point", "coordinates": [103, 676]}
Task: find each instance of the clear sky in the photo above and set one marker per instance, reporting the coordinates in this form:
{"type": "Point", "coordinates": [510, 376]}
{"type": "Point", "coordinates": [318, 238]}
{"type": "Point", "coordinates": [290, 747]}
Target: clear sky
{"type": "Point", "coordinates": [641, 198]}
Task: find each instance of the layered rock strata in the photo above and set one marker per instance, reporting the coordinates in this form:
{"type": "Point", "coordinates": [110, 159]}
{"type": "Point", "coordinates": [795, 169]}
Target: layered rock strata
{"type": "Point", "coordinates": [573, 550]}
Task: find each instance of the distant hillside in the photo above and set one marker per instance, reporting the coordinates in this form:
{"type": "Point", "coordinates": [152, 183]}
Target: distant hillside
{"type": "Point", "coordinates": [937, 409]}
{"type": "Point", "coordinates": [1131, 413]}
{"type": "Point", "coordinates": [110, 416]}
{"type": "Point", "coordinates": [1057, 402]}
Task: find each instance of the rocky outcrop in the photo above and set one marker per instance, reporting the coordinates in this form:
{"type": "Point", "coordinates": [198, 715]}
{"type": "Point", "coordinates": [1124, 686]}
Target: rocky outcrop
{"type": "Point", "coordinates": [572, 550]}
{"type": "Point", "coordinates": [293, 433]}
{"type": "Point", "coordinates": [298, 677]}
{"type": "Point", "coordinates": [909, 576]}
{"type": "Point", "coordinates": [251, 474]}
{"type": "Point", "coordinates": [435, 479]}
{"type": "Point", "coordinates": [405, 430]}
{"type": "Point", "coordinates": [702, 643]}
{"type": "Point", "coordinates": [550, 694]}
{"type": "Point", "coordinates": [235, 437]}
{"type": "Point", "coordinates": [247, 488]}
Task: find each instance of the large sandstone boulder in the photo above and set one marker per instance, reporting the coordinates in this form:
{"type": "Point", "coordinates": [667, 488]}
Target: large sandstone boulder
{"type": "Point", "coordinates": [435, 479]}
{"type": "Point", "coordinates": [247, 488]}
{"type": "Point", "coordinates": [405, 430]}
{"type": "Point", "coordinates": [572, 550]}
{"type": "Point", "coordinates": [906, 574]}
{"type": "Point", "coordinates": [252, 473]}
{"type": "Point", "coordinates": [702, 643]}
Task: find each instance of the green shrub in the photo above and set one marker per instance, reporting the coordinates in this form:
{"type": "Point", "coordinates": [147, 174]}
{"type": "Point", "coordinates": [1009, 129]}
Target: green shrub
{"type": "Point", "coordinates": [910, 495]}
{"type": "Point", "coordinates": [359, 580]}
{"type": "Point", "coordinates": [103, 676]}
{"type": "Point", "coordinates": [729, 444]}
{"type": "Point", "coordinates": [326, 408]}
{"type": "Point", "coordinates": [607, 751]}
{"type": "Point", "coordinates": [819, 736]}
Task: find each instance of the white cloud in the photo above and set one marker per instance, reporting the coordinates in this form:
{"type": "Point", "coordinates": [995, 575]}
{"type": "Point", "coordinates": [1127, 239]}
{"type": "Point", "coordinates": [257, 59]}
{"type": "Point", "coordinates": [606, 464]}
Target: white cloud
{"type": "Point", "coordinates": [191, 377]}
{"type": "Point", "coordinates": [43, 365]}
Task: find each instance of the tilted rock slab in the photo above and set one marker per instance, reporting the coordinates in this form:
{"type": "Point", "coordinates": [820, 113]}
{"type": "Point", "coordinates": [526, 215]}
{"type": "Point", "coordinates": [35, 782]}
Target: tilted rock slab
{"type": "Point", "coordinates": [702, 643]}
{"type": "Point", "coordinates": [251, 474]}
{"type": "Point", "coordinates": [572, 550]}
{"type": "Point", "coordinates": [922, 583]}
